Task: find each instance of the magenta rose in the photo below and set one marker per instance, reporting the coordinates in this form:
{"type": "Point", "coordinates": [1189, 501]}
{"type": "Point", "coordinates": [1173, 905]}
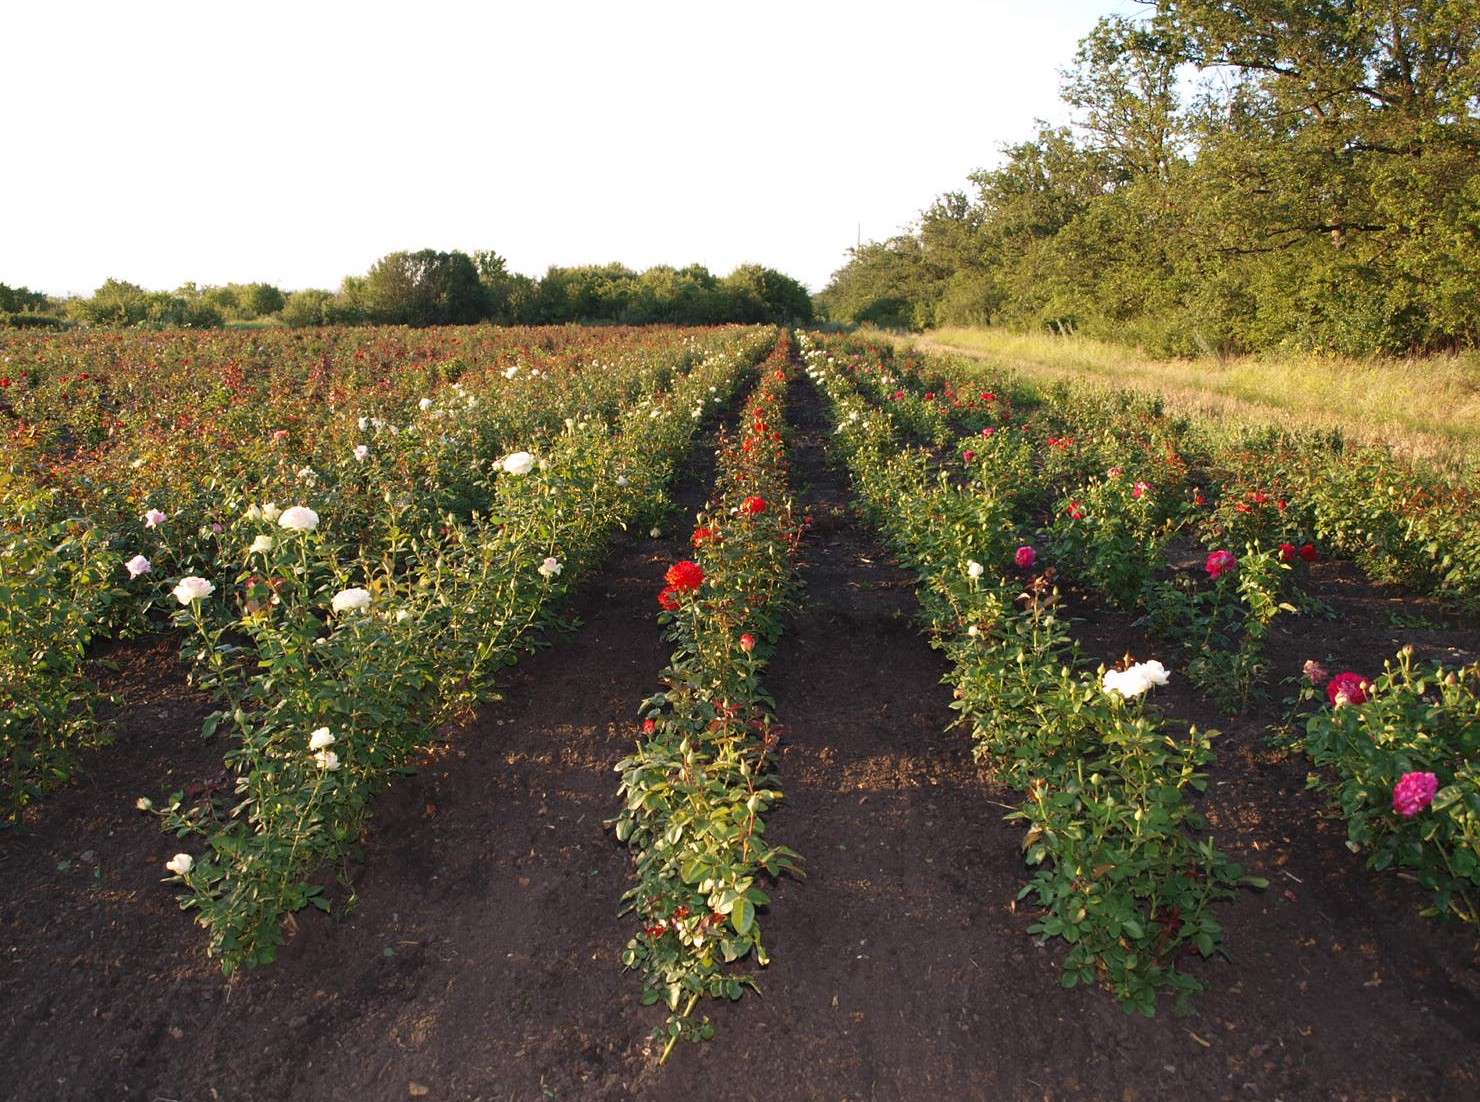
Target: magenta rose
{"type": "Point", "coordinates": [1413, 793]}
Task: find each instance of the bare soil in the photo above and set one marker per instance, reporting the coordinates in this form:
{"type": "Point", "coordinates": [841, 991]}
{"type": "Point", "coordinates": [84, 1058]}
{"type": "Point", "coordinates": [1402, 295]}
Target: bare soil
{"type": "Point", "coordinates": [482, 958]}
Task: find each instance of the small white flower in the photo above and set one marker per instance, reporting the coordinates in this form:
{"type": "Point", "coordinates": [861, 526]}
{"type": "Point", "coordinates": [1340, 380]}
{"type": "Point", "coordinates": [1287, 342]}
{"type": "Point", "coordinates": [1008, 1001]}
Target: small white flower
{"type": "Point", "coordinates": [364, 423]}
{"type": "Point", "coordinates": [138, 565]}
{"type": "Point", "coordinates": [402, 615]}
{"type": "Point", "coordinates": [192, 589]}
{"type": "Point", "coordinates": [328, 760]}
{"type": "Point", "coordinates": [262, 543]}
{"type": "Point", "coordinates": [180, 864]}
{"type": "Point", "coordinates": [655, 532]}
{"type": "Point", "coordinates": [425, 403]}
{"type": "Point", "coordinates": [254, 512]}
{"type": "Point", "coordinates": [362, 452]}
{"type": "Point", "coordinates": [307, 474]}
{"type": "Point", "coordinates": [510, 372]}
{"type": "Point", "coordinates": [550, 567]}
{"type": "Point", "coordinates": [354, 599]}
{"type": "Point", "coordinates": [518, 463]}
{"type": "Point", "coordinates": [320, 739]}
{"type": "Point", "coordinates": [621, 480]}
{"type": "Point", "coordinates": [974, 569]}
{"type": "Point", "coordinates": [271, 512]}
{"type": "Point", "coordinates": [299, 518]}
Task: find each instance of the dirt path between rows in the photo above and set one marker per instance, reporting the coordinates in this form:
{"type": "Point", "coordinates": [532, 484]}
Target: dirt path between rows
{"type": "Point", "coordinates": [483, 959]}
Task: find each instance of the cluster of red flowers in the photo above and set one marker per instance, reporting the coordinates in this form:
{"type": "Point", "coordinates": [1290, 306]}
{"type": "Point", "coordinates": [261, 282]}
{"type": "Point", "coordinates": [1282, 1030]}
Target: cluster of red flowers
{"type": "Point", "coordinates": [1289, 553]}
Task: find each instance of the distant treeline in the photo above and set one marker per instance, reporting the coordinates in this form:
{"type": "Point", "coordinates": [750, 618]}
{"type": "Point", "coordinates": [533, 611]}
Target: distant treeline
{"type": "Point", "coordinates": [1319, 189]}
{"type": "Point", "coordinates": [442, 288]}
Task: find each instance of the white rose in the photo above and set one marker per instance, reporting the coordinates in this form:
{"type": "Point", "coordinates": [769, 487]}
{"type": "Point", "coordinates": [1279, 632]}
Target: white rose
{"type": "Point", "coordinates": [180, 864]}
{"type": "Point", "coordinates": [550, 567]}
{"type": "Point", "coordinates": [320, 739]}
{"type": "Point", "coordinates": [328, 760]}
{"type": "Point", "coordinates": [354, 599]}
{"type": "Point", "coordinates": [300, 518]}
{"type": "Point", "coordinates": [193, 589]}
{"type": "Point", "coordinates": [262, 543]}
{"type": "Point", "coordinates": [271, 512]}
{"type": "Point", "coordinates": [520, 463]}
{"type": "Point", "coordinates": [974, 569]}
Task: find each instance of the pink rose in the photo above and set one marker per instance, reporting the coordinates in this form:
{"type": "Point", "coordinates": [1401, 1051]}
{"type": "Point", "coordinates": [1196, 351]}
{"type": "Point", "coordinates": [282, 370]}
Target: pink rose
{"type": "Point", "coordinates": [1220, 563]}
{"type": "Point", "coordinates": [1413, 793]}
{"type": "Point", "coordinates": [1025, 557]}
{"type": "Point", "coordinates": [1349, 688]}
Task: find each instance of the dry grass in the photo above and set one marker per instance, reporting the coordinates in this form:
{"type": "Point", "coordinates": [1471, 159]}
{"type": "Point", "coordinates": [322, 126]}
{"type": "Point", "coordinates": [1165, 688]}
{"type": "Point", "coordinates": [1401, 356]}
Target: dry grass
{"type": "Point", "coordinates": [1427, 409]}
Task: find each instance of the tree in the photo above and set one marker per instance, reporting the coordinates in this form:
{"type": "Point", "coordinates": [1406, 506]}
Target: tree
{"type": "Point", "coordinates": [424, 288]}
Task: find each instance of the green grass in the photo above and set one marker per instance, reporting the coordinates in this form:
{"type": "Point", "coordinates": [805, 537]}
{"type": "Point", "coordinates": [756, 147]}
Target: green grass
{"type": "Point", "coordinates": [1425, 408]}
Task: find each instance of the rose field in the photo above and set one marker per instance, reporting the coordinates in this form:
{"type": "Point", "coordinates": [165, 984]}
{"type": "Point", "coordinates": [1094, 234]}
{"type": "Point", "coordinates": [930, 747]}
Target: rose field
{"type": "Point", "coordinates": [729, 713]}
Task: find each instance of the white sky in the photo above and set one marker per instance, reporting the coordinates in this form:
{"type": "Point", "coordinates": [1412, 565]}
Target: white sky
{"type": "Point", "coordinates": [297, 141]}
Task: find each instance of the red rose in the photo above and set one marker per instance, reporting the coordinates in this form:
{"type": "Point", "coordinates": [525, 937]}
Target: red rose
{"type": "Point", "coordinates": [1309, 553]}
{"type": "Point", "coordinates": [1348, 688]}
{"type": "Point", "coordinates": [1287, 552]}
{"type": "Point", "coordinates": [685, 575]}
{"type": "Point", "coordinates": [1220, 563]}
{"type": "Point", "coordinates": [753, 505]}
{"type": "Point", "coordinates": [668, 598]}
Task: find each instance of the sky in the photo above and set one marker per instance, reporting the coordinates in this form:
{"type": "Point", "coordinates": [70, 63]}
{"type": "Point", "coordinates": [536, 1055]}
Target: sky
{"type": "Point", "coordinates": [295, 143]}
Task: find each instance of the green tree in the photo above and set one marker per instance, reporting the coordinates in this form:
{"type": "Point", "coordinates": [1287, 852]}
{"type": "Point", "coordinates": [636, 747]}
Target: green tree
{"type": "Point", "coordinates": [424, 288]}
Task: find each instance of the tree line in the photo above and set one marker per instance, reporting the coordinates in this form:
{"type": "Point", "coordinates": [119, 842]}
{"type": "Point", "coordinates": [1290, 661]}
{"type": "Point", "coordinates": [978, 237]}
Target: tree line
{"type": "Point", "coordinates": [429, 287]}
{"type": "Point", "coordinates": [1238, 177]}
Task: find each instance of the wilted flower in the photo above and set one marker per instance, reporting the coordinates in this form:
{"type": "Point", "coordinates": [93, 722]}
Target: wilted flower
{"type": "Point", "coordinates": [192, 589]}
{"type": "Point", "coordinates": [299, 518]}
{"type": "Point", "coordinates": [1220, 563]}
{"type": "Point", "coordinates": [668, 598]}
{"type": "Point", "coordinates": [180, 864]}
{"type": "Point", "coordinates": [354, 599]}
{"type": "Point", "coordinates": [1025, 557]}
{"type": "Point", "coordinates": [154, 518]}
{"type": "Point", "coordinates": [974, 569]}
{"type": "Point", "coordinates": [1315, 671]}
{"type": "Point", "coordinates": [320, 739]}
{"type": "Point", "coordinates": [362, 452]}
{"type": "Point", "coordinates": [1349, 688]}
{"type": "Point", "coordinates": [1414, 792]}
{"type": "Point", "coordinates": [519, 463]}
{"type": "Point", "coordinates": [138, 565]}
{"type": "Point", "coordinates": [328, 760]}
{"type": "Point", "coordinates": [144, 803]}
{"type": "Point", "coordinates": [550, 567]}
{"type": "Point", "coordinates": [1135, 680]}
{"type": "Point", "coordinates": [262, 543]}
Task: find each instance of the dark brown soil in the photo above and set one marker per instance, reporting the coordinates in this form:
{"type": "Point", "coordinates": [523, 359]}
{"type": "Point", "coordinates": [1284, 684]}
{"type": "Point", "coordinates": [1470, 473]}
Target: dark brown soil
{"type": "Point", "coordinates": [483, 958]}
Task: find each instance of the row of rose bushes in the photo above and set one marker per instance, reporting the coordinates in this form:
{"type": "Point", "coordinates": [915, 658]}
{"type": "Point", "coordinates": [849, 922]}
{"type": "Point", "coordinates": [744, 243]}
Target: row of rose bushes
{"type": "Point", "coordinates": [1127, 490]}
{"type": "Point", "coordinates": [96, 527]}
{"type": "Point", "coordinates": [1122, 875]}
{"type": "Point", "coordinates": [696, 790]}
{"type": "Point", "coordinates": [334, 673]}
{"type": "Point", "coordinates": [1397, 519]}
